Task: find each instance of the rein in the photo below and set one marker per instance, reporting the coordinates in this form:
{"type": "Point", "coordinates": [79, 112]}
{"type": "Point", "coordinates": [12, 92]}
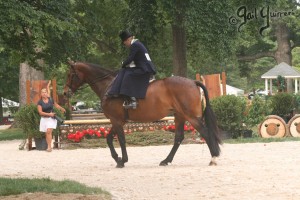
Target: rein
{"type": "Point", "coordinates": [94, 81]}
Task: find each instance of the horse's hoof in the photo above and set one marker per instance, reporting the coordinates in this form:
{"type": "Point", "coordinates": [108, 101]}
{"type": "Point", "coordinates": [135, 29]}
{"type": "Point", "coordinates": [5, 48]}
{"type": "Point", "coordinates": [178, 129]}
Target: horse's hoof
{"type": "Point", "coordinates": [212, 163]}
{"type": "Point", "coordinates": [120, 165]}
{"type": "Point", "coordinates": [163, 163]}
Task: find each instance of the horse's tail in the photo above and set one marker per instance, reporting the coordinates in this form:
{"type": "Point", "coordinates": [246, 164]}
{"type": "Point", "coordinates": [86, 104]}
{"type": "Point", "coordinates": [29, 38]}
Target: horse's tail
{"type": "Point", "coordinates": [213, 139]}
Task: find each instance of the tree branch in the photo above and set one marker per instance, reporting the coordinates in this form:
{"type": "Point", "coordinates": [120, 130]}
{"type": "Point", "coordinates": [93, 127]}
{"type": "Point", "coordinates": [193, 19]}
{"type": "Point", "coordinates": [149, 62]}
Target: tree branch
{"type": "Point", "coordinates": [297, 44]}
{"type": "Point", "coordinates": [106, 46]}
{"type": "Point", "coordinates": [256, 56]}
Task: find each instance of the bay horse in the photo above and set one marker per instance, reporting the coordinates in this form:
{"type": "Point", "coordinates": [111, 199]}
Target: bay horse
{"type": "Point", "coordinates": [173, 94]}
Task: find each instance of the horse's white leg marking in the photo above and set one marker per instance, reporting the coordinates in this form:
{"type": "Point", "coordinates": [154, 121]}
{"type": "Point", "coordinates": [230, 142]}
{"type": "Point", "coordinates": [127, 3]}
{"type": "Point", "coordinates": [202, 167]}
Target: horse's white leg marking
{"type": "Point", "coordinates": [213, 161]}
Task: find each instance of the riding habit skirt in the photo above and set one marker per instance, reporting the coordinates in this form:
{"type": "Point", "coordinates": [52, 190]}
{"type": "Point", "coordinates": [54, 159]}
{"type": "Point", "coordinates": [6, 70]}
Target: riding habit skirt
{"type": "Point", "coordinates": [132, 82]}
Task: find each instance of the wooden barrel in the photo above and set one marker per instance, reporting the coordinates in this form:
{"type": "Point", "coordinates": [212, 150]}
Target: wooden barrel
{"type": "Point", "coordinates": [273, 127]}
{"type": "Point", "coordinates": [294, 126]}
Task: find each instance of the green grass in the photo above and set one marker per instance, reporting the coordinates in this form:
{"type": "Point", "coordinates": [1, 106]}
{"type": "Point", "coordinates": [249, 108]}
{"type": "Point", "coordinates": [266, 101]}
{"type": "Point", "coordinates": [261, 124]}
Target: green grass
{"type": "Point", "coordinates": [146, 139]}
{"type": "Point", "coordinates": [11, 134]}
{"type": "Point", "coordinates": [10, 186]}
{"type": "Point", "coordinates": [154, 138]}
{"type": "Point", "coordinates": [260, 140]}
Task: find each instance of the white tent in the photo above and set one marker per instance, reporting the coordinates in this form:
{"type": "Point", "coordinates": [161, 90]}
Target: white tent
{"type": "Point", "coordinates": [230, 90]}
{"type": "Point", "coordinates": [9, 103]}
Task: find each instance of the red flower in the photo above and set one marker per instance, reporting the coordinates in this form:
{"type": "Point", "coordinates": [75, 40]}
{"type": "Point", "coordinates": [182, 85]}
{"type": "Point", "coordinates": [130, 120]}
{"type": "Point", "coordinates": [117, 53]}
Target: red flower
{"type": "Point", "coordinates": [98, 134]}
{"type": "Point", "coordinates": [106, 133]}
{"type": "Point", "coordinates": [71, 136]}
{"type": "Point", "coordinates": [192, 128]}
{"type": "Point", "coordinates": [185, 128]}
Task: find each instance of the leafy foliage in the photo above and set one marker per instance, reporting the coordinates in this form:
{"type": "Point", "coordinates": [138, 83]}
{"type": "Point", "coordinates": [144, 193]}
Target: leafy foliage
{"type": "Point", "coordinates": [282, 104]}
{"type": "Point", "coordinates": [229, 111]}
{"type": "Point", "coordinates": [253, 45]}
{"type": "Point", "coordinates": [256, 113]}
{"type": "Point", "coordinates": [33, 30]}
{"type": "Point", "coordinates": [88, 30]}
{"type": "Point", "coordinates": [28, 120]}
{"type": "Point", "coordinates": [9, 78]}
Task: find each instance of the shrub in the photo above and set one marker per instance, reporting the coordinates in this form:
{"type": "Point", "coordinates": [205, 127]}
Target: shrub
{"type": "Point", "coordinates": [28, 119]}
{"type": "Point", "coordinates": [297, 103]}
{"type": "Point", "coordinates": [229, 111]}
{"type": "Point", "coordinates": [282, 104]}
{"type": "Point", "coordinates": [257, 111]}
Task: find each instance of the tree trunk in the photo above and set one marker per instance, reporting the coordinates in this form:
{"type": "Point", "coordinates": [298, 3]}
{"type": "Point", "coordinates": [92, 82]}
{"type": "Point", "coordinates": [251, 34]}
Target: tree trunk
{"type": "Point", "coordinates": [179, 46]}
{"type": "Point", "coordinates": [284, 50]}
{"type": "Point", "coordinates": [1, 108]}
{"type": "Point", "coordinates": [27, 73]}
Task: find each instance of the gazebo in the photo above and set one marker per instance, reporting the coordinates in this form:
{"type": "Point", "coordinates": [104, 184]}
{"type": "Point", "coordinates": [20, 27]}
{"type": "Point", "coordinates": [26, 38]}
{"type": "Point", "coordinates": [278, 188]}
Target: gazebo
{"type": "Point", "coordinates": [286, 71]}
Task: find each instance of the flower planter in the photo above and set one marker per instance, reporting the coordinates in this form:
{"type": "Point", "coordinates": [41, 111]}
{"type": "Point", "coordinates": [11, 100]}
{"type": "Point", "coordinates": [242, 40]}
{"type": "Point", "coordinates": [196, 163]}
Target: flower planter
{"type": "Point", "coordinates": [225, 135]}
{"type": "Point", "coordinates": [40, 143]}
{"type": "Point", "coordinates": [247, 133]}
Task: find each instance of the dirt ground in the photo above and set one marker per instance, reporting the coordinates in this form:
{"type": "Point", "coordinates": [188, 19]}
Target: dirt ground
{"type": "Point", "coordinates": [245, 171]}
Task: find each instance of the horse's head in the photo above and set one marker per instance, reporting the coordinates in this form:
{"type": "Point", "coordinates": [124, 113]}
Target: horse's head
{"type": "Point", "coordinates": [75, 79]}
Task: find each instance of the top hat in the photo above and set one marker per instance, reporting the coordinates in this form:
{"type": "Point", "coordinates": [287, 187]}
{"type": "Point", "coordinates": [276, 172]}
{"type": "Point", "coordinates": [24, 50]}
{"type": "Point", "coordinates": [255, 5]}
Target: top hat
{"type": "Point", "coordinates": [124, 35]}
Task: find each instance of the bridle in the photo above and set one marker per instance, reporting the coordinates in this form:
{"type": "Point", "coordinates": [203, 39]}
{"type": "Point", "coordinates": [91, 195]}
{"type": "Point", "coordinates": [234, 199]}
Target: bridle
{"type": "Point", "coordinates": [75, 78]}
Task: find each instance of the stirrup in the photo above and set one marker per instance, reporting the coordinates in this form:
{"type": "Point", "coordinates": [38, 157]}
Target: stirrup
{"type": "Point", "coordinates": [128, 105]}
{"type": "Point", "coordinates": [132, 105]}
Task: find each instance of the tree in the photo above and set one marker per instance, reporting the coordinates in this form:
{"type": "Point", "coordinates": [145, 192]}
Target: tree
{"type": "Point", "coordinates": [33, 31]}
{"type": "Point", "coordinates": [8, 80]}
{"type": "Point", "coordinates": [276, 38]}
{"type": "Point", "coordinates": [194, 24]}
{"type": "Point", "coordinates": [103, 20]}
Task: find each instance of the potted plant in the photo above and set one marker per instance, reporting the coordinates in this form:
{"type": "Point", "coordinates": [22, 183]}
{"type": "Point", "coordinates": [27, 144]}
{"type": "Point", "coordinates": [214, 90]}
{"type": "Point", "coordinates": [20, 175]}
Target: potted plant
{"type": "Point", "coordinates": [28, 119]}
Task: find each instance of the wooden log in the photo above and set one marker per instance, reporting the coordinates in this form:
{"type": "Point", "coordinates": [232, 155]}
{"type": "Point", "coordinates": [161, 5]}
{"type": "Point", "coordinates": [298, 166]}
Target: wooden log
{"type": "Point", "coordinates": [294, 126]}
{"type": "Point", "coordinates": [272, 127]}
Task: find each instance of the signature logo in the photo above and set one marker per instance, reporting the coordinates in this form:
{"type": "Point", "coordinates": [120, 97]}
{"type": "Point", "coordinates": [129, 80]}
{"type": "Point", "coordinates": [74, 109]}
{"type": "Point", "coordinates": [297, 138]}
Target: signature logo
{"type": "Point", "coordinates": [243, 16]}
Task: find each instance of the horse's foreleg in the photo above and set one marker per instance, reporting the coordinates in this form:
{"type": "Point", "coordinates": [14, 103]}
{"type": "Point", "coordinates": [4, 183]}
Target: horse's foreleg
{"type": "Point", "coordinates": [121, 137]}
{"type": "Point", "coordinates": [179, 136]}
{"type": "Point", "coordinates": [109, 140]}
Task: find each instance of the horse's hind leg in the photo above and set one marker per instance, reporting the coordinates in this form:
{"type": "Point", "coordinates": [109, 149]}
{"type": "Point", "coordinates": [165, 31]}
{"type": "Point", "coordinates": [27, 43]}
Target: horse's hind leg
{"type": "Point", "coordinates": [179, 136]}
{"type": "Point", "coordinates": [199, 125]}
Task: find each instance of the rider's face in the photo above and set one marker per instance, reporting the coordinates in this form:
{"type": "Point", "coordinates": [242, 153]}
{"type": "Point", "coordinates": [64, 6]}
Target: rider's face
{"type": "Point", "coordinates": [127, 42]}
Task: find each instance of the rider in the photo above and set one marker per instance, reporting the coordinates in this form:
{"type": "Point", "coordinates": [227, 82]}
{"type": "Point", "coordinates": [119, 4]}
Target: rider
{"type": "Point", "coordinates": [133, 79]}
